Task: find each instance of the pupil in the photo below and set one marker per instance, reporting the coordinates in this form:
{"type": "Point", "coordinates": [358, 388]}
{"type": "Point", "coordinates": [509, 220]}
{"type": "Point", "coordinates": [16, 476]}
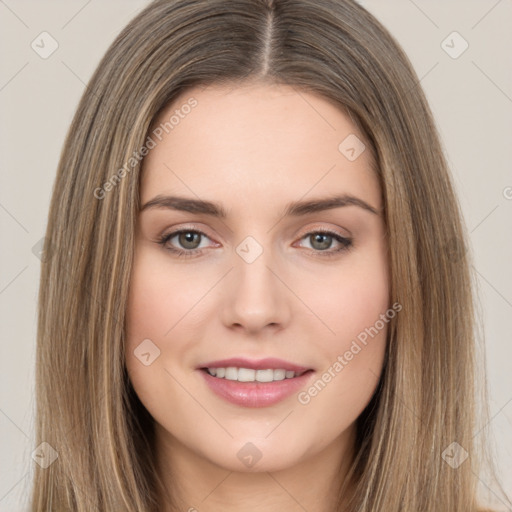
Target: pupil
{"type": "Point", "coordinates": [188, 238]}
{"type": "Point", "coordinates": [323, 239]}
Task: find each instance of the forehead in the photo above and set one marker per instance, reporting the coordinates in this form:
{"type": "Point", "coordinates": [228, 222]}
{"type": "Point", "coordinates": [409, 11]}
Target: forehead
{"type": "Point", "coordinates": [258, 145]}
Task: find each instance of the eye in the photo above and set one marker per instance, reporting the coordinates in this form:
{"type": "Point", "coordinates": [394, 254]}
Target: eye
{"type": "Point", "coordinates": [189, 242]}
{"type": "Point", "coordinates": [322, 240]}
{"type": "Point", "coordinates": [188, 239]}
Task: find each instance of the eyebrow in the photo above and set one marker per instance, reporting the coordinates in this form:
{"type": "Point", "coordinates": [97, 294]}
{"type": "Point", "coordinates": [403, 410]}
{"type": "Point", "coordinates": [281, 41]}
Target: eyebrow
{"type": "Point", "coordinates": [293, 209]}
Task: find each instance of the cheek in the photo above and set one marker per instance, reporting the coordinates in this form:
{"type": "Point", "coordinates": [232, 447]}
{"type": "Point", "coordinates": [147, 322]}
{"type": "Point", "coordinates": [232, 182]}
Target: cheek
{"type": "Point", "coordinates": [153, 309]}
{"type": "Point", "coordinates": [349, 298]}
{"type": "Point", "coordinates": [353, 310]}
{"type": "Point", "coordinates": [159, 311]}
{"type": "Point", "coordinates": [158, 299]}
{"type": "Point", "coordinates": [359, 301]}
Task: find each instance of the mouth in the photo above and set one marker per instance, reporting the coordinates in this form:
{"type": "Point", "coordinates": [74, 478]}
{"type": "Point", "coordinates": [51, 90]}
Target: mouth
{"type": "Point", "coordinates": [248, 387]}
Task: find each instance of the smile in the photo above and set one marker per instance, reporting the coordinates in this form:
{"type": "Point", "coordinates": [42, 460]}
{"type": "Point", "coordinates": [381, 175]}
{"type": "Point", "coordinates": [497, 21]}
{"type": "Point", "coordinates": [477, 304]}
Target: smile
{"type": "Point", "coordinates": [247, 387]}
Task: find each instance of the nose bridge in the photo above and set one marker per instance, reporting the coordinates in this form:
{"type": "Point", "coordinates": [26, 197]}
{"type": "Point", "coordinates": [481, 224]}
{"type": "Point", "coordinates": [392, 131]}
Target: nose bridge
{"type": "Point", "coordinates": [252, 269]}
{"type": "Point", "coordinates": [257, 297]}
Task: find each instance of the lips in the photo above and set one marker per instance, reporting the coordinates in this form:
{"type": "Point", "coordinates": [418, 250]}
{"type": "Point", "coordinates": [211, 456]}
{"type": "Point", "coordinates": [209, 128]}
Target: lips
{"type": "Point", "coordinates": [255, 394]}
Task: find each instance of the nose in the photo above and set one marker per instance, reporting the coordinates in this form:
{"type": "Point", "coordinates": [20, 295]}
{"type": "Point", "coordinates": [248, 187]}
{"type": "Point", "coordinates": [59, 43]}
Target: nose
{"type": "Point", "coordinates": [255, 297]}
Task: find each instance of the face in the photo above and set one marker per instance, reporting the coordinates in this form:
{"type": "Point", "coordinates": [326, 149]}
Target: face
{"type": "Point", "coordinates": [270, 278]}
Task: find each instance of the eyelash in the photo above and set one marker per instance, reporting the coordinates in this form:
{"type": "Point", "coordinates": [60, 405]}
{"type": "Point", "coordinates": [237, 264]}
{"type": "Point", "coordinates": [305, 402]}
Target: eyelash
{"type": "Point", "coordinates": [346, 243]}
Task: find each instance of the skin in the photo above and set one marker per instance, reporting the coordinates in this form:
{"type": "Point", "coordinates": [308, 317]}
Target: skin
{"type": "Point", "coordinates": [254, 149]}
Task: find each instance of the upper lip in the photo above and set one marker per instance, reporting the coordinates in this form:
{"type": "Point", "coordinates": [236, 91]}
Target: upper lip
{"type": "Point", "coordinates": [261, 364]}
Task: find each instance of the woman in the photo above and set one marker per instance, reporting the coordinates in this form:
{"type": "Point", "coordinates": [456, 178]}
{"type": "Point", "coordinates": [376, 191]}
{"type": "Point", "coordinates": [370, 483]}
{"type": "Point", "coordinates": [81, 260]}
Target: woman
{"type": "Point", "coordinates": [259, 297]}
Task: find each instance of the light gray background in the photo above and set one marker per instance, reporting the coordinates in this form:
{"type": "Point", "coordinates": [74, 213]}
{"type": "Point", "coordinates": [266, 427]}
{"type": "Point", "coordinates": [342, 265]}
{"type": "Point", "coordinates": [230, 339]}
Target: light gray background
{"type": "Point", "coordinates": [471, 97]}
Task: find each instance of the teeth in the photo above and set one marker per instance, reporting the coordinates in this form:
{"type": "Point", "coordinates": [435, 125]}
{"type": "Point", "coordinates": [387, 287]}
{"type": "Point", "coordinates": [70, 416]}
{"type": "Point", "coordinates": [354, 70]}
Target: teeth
{"type": "Point", "coordinates": [249, 375]}
{"type": "Point", "coordinates": [231, 373]}
{"type": "Point", "coordinates": [242, 375]}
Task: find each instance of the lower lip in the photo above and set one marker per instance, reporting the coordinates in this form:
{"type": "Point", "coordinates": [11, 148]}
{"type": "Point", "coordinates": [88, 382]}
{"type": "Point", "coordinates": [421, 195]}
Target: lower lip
{"type": "Point", "coordinates": [255, 394]}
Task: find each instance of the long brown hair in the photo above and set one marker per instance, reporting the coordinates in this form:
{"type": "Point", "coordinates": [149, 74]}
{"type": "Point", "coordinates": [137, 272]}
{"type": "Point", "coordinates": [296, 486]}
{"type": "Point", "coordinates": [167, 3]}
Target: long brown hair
{"type": "Point", "coordinates": [86, 408]}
